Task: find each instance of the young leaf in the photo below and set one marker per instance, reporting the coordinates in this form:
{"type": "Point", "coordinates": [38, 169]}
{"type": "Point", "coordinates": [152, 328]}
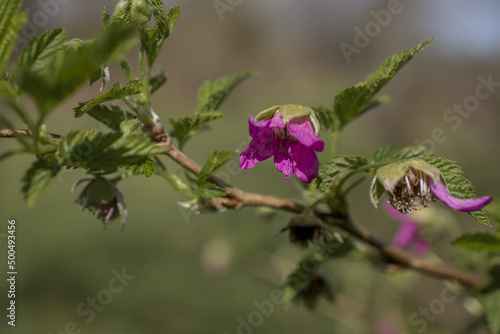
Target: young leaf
{"type": "Point", "coordinates": [339, 164]}
{"type": "Point", "coordinates": [72, 66]}
{"type": "Point", "coordinates": [214, 162]}
{"type": "Point", "coordinates": [145, 167]}
{"type": "Point", "coordinates": [212, 93]}
{"type": "Point", "coordinates": [112, 118]}
{"type": "Point", "coordinates": [37, 179]}
{"type": "Point", "coordinates": [152, 39]}
{"type": "Point", "coordinates": [326, 118]}
{"type": "Point", "coordinates": [479, 241]}
{"type": "Point", "coordinates": [131, 88]}
{"type": "Point", "coordinates": [100, 152]}
{"type": "Point", "coordinates": [382, 154]}
{"type": "Point", "coordinates": [491, 303]}
{"type": "Point", "coordinates": [457, 185]}
{"type": "Point", "coordinates": [11, 21]}
{"type": "Point", "coordinates": [157, 81]}
{"type": "Point", "coordinates": [39, 53]}
{"type": "Point", "coordinates": [354, 101]}
{"type": "Point", "coordinates": [185, 127]}
{"type": "Point", "coordinates": [209, 190]}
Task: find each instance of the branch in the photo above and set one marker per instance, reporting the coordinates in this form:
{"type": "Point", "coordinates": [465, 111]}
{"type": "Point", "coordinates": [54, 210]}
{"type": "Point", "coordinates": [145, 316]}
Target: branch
{"type": "Point", "coordinates": [237, 198]}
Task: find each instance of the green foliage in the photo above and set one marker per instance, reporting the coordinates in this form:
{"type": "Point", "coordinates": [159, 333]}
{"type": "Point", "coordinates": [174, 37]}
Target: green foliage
{"type": "Point", "coordinates": [210, 97]}
{"type": "Point", "coordinates": [38, 178]}
{"type": "Point", "coordinates": [112, 118]}
{"type": "Point", "coordinates": [11, 21]}
{"type": "Point", "coordinates": [301, 278]}
{"type": "Point", "coordinates": [145, 167]}
{"type": "Point", "coordinates": [491, 302]}
{"type": "Point", "coordinates": [214, 162]}
{"type": "Point", "coordinates": [208, 190]}
{"type": "Point", "coordinates": [212, 93]}
{"type": "Point", "coordinates": [329, 171]}
{"type": "Point", "coordinates": [152, 39]}
{"type": "Point", "coordinates": [457, 185]}
{"type": "Point", "coordinates": [383, 153]}
{"type": "Point", "coordinates": [354, 101]}
{"type": "Point", "coordinates": [186, 127]}
{"type": "Point", "coordinates": [99, 152]}
{"type": "Point", "coordinates": [37, 53]}
{"type": "Point", "coordinates": [131, 88]}
{"type": "Point", "coordinates": [157, 81]}
{"type": "Point", "coordinates": [479, 241]}
{"type": "Point", "coordinates": [69, 64]}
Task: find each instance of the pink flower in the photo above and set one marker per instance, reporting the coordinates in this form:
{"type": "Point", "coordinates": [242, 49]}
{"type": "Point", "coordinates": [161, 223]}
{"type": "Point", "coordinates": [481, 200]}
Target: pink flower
{"type": "Point", "coordinates": [409, 232]}
{"type": "Point", "coordinates": [414, 184]}
{"type": "Point", "coordinates": [289, 133]}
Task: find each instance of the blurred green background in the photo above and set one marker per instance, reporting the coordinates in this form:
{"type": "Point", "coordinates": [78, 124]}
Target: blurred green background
{"type": "Point", "coordinates": [199, 274]}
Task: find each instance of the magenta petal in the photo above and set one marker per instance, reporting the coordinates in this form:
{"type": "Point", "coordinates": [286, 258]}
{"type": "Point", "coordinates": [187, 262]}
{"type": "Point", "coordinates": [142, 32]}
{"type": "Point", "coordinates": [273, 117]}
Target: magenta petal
{"type": "Point", "coordinates": [305, 161]}
{"type": "Point", "coordinates": [259, 130]}
{"type": "Point", "coordinates": [466, 205]}
{"type": "Point", "coordinates": [304, 133]}
{"type": "Point", "coordinates": [258, 151]}
{"type": "Point", "coordinates": [283, 162]}
{"type": "Point", "coordinates": [406, 233]}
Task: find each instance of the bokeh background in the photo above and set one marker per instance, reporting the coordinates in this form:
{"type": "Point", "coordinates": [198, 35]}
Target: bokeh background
{"type": "Point", "coordinates": [199, 274]}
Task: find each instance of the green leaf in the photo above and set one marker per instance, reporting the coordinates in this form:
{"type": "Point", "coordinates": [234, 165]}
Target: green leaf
{"type": "Point", "coordinates": [212, 93]}
{"type": "Point", "coordinates": [354, 101]}
{"type": "Point", "coordinates": [71, 66]}
{"type": "Point", "coordinates": [100, 152]}
{"type": "Point", "coordinates": [7, 92]}
{"type": "Point", "coordinates": [479, 241]}
{"type": "Point", "coordinates": [185, 127]}
{"type": "Point", "coordinates": [491, 303]}
{"type": "Point", "coordinates": [214, 162]}
{"type": "Point", "coordinates": [326, 118]}
{"type": "Point", "coordinates": [209, 190]}
{"type": "Point", "coordinates": [414, 152]}
{"type": "Point", "coordinates": [341, 163]}
{"type": "Point", "coordinates": [38, 178]}
{"type": "Point", "coordinates": [38, 54]}
{"type": "Point", "coordinates": [11, 21]}
{"type": "Point", "coordinates": [457, 185]}
{"type": "Point", "coordinates": [383, 153]}
{"type": "Point", "coordinates": [308, 267]}
{"type": "Point", "coordinates": [112, 118]}
{"type": "Point", "coordinates": [145, 167]}
{"type": "Point", "coordinates": [157, 81]}
{"type": "Point", "coordinates": [152, 39]}
{"type": "Point", "coordinates": [131, 88]}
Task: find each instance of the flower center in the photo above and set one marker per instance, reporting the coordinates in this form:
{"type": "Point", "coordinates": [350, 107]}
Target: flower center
{"type": "Point", "coordinates": [282, 134]}
{"type": "Point", "coordinates": [412, 192]}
